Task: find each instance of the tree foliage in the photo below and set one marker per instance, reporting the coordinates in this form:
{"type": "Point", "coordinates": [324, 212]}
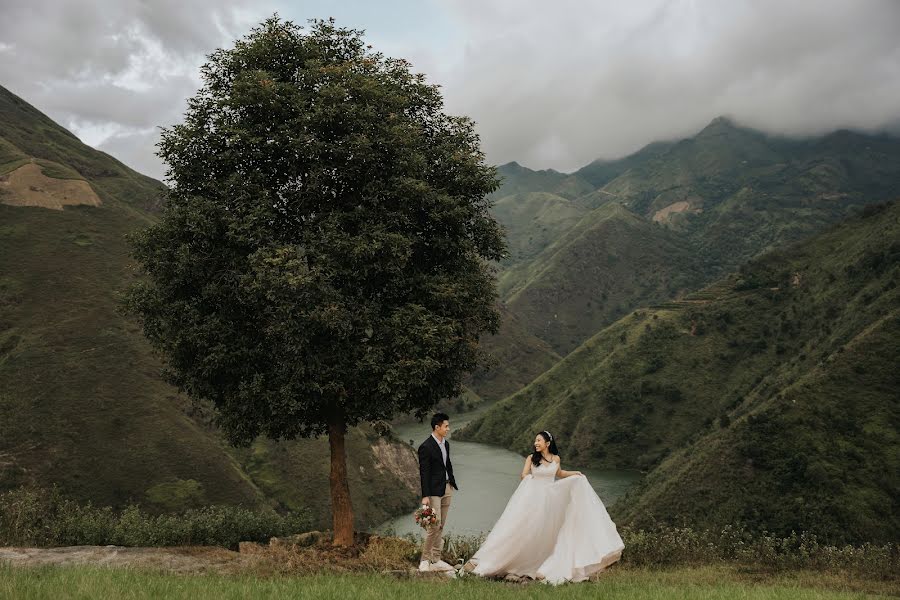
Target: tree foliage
{"type": "Point", "coordinates": [323, 255]}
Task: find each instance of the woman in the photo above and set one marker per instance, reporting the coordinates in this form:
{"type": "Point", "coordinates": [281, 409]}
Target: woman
{"type": "Point", "coordinates": [554, 528]}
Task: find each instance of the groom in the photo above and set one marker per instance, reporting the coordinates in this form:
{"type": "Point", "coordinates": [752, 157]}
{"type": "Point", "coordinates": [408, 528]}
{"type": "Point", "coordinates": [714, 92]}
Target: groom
{"type": "Point", "coordinates": [436, 473]}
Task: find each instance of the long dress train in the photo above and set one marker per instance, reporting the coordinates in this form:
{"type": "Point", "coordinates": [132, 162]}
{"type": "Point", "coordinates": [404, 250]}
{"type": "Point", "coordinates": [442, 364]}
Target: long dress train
{"type": "Point", "coordinates": [552, 529]}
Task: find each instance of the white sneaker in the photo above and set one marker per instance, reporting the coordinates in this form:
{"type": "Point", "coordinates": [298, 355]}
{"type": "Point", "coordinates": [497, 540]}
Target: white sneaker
{"type": "Point", "coordinates": [424, 566]}
{"type": "Point", "coordinates": [441, 566]}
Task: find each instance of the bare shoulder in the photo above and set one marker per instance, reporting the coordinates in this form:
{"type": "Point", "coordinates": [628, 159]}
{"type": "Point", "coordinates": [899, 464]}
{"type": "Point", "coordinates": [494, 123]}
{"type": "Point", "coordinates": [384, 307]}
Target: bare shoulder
{"type": "Point", "coordinates": [527, 459]}
{"type": "Point", "coordinates": [556, 458]}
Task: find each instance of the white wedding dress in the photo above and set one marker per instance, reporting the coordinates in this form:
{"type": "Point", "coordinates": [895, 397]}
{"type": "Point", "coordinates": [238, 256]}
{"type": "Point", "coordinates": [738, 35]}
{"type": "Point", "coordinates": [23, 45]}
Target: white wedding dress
{"type": "Point", "coordinates": [552, 529]}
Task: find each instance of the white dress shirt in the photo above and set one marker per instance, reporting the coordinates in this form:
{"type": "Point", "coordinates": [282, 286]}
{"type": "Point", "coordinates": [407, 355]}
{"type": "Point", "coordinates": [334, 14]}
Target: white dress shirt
{"type": "Point", "coordinates": [443, 446]}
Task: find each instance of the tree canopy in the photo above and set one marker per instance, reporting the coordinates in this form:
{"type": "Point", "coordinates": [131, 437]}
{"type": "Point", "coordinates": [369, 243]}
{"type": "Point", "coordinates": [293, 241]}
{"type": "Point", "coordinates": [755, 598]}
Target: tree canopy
{"type": "Point", "coordinates": [323, 256]}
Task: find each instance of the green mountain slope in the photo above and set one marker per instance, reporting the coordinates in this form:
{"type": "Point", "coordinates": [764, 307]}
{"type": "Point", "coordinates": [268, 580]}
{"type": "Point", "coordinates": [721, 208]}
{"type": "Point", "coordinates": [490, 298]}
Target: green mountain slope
{"type": "Point", "coordinates": [515, 179]}
{"type": "Point", "coordinates": [82, 404]}
{"type": "Point", "coordinates": [722, 197]}
{"type": "Point", "coordinates": [516, 358]}
{"type": "Point", "coordinates": [736, 192]}
{"type": "Point", "coordinates": [600, 172]}
{"type": "Point", "coordinates": [27, 133]}
{"type": "Point", "coordinates": [769, 398]}
{"type": "Point", "coordinates": [534, 220]}
{"type": "Point", "coordinates": [609, 262]}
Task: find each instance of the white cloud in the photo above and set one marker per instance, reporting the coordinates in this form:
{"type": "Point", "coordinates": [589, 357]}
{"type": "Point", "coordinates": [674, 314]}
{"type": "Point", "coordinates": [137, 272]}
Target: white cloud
{"type": "Point", "coordinates": [550, 84]}
{"type": "Point", "coordinates": [116, 68]}
{"type": "Point", "coordinates": [559, 84]}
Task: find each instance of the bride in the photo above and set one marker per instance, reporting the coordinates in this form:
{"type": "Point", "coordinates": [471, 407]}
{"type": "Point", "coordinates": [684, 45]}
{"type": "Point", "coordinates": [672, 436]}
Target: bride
{"type": "Point", "coordinates": [554, 528]}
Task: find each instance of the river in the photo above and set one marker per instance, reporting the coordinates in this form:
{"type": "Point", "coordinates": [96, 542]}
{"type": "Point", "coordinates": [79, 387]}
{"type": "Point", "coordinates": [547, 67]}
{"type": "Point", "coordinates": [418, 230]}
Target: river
{"type": "Point", "coordinates": [487, 477]}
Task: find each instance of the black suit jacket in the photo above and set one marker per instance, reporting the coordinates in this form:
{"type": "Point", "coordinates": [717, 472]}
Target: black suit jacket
{"type": "Point", "coordinates": [431, 468]}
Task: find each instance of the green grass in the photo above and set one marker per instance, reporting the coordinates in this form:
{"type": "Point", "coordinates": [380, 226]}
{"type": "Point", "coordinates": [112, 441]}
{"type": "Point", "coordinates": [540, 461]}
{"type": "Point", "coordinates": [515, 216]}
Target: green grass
{"type": "Point", "coordinates": [682, 584]}
{"type": "Point", "coordinates": [57, 171]}
{"type": "Point", "coordinates": [12, 165]}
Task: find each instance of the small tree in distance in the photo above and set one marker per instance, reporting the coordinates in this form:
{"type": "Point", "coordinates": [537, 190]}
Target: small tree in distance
{"type": "Point", "coordinates": [322, 258]}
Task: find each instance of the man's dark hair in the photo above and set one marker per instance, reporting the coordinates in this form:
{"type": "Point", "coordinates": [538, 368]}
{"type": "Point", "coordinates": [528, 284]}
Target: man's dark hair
{"type": "Point", "coordinates": [437, 419]}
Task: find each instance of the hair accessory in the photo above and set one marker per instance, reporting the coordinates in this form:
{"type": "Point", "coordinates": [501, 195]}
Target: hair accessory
{"type": "Point", "coordinates": [549, 436]}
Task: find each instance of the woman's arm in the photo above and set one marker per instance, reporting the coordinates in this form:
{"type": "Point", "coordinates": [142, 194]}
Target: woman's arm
{"type": "Point", "coordinates": [527, 468]}
{"type": "Point", "coordinates": [563, 474]}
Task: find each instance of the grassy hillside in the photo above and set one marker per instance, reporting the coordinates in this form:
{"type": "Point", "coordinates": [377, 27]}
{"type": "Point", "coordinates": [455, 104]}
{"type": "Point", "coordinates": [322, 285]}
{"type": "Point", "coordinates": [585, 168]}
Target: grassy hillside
{"type": "Point", "coordinates": [27, 133]}
{"type": "Point", "coordinates": [769, 398]}
{"type": "Point", "coordinates": [516, 358]}
{"type": "Point", "coordinates": [82, 404]}
{"type": "Point", "coordinates": [514, 179]}
{"type": "Point", "coordinates": [534, 220]}
{"type": "Point", "coordinates": [600, 172]}
{"type": "Point", "coordinates": [736, 192]}
{"type": "Point", "coordinates": [611, 261]}
{"type": "Point", "coordinates": [723, 196]}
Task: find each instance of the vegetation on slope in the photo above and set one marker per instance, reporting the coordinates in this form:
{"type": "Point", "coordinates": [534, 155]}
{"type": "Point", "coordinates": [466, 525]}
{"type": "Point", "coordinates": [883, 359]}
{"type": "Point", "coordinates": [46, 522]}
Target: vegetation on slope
{"type": "Point", "coordinates": [768, 398]}
{"type": "Point", "coordinates": [82, 403]}
{"type": "Point", "coordinates": [723, 196]}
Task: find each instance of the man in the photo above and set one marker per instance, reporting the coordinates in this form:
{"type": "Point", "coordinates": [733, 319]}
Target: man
{"type": "Point", "coordinates": [438, 483]}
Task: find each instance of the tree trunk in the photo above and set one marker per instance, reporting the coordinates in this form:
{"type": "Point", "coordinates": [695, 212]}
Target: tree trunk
{"type": "Point", "coordinates": [341, 508]}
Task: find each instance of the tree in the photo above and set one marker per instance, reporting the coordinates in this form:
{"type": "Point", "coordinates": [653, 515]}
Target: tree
{"type": "Point", "coordinates": [322, 259]}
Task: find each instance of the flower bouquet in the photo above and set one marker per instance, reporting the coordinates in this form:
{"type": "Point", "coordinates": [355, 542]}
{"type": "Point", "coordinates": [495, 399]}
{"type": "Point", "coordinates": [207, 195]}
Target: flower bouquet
{"type": "Point", "coordinates": [426, 517]}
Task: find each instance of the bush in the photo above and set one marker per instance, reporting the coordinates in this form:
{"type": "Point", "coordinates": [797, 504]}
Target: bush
{"type": "Point", "coordinates": [42, 517]}
{"type": "Point", "coordinates": [669, 546]}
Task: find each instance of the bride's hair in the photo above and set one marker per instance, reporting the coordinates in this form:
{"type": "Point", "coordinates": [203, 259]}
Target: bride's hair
{"type": "Point", "coordinates": [536, 456]}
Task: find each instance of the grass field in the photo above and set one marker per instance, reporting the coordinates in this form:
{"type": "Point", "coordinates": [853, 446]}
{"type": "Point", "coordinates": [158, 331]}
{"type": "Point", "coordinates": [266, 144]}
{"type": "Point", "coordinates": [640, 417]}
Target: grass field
{"type": "Point", "coordinates": [682, 584]}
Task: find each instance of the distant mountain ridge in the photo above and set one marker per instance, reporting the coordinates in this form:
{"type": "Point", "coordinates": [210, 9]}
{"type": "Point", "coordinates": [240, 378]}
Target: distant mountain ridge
{"type": "Point", "coordinates": [727, 194]}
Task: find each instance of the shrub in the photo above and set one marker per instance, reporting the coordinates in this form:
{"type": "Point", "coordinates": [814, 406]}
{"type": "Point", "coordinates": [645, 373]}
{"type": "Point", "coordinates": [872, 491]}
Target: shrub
{"type": "Point", "coordinates": [669, 546]}
{"type": "Point", "coordinates": [42, 517]}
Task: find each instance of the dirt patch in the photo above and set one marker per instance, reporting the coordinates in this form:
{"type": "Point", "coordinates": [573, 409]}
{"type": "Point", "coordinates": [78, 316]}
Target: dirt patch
{"type": "Point", "coordinates": [193, 559]}
{"type": "Point", "coordinates": [303, 554]}
{"type": "Point", "coordinates": [28, 186]}
{"type": "Point", "coordinates": [676, 207]}
{"type": "Point", "coordinates": [314, 553]}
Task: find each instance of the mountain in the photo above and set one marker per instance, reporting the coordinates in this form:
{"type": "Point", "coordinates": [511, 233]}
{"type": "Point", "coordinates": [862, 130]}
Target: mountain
{"type": "Point", "coordinates": [597, 271]}
{"type": "Point", "coordinates": [600, 172]}
{"type": "Point", "coordinates": [768, 398]}
{"type": "Point", "coordinates": [517, 179]}
{"type": "Point", "coordinates": [82, 403]}
{"type": "Point", "coordinates": [693, 210]}
{"type": "Point", "coordinates": [736, 192]}
{"type": "Point", "coordinates": [533, 220]}
{"type": "Point", "coordinates": [517, 357]}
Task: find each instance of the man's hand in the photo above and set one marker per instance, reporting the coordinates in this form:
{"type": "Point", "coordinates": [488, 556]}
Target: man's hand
{"type": "Point", "coordinates": [426, 501]}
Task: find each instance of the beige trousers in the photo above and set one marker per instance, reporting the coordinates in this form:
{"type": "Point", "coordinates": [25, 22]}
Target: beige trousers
{"type": "Point", "coordinates": [434, 537]}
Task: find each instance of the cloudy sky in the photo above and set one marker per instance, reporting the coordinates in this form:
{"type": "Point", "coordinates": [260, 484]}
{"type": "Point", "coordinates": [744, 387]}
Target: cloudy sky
{"type": "Point", "coordinates": [550, 84]}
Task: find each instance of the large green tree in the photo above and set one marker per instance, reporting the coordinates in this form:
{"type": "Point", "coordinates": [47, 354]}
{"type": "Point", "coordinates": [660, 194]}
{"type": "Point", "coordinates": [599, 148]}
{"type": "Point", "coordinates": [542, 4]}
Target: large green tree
{"type": "Point", "coordinates": [323, 256]}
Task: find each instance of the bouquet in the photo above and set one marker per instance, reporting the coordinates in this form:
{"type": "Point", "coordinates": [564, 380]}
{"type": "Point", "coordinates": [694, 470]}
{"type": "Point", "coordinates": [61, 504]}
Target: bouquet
{"type": "Point", "coordinates": [426, 517]}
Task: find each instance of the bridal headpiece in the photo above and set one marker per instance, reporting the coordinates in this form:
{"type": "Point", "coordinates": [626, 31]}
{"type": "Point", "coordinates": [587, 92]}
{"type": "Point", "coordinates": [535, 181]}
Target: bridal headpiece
{"type": "Point", "coordinates": [548, 435]}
